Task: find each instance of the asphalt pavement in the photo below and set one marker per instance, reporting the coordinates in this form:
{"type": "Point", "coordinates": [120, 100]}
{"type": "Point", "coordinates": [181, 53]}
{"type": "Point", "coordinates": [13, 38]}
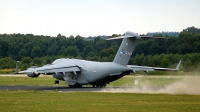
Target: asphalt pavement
{"type": "Point", "coordinates": [51, 88]}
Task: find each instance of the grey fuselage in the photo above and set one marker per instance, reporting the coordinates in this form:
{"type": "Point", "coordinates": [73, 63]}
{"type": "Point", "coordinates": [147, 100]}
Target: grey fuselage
{"type": "Point", "coordinates": [92, 72]}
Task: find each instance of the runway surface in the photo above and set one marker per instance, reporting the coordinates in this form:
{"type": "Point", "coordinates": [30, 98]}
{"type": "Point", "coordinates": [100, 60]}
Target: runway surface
{"type": "Point", "coordinates": [52, 88]}
{"type": "Point", "coordinates": [180, 85]}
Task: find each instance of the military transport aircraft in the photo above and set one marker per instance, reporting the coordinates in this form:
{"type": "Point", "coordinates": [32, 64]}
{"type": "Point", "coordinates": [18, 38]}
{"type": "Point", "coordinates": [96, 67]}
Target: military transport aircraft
{"type": "Point", "coordinates": [77, 72]}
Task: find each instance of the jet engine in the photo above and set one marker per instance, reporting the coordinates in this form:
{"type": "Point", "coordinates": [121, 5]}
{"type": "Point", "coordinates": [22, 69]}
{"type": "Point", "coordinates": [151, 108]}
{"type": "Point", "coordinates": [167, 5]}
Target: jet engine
{"type": "Point", "coordinates": [32, 74]}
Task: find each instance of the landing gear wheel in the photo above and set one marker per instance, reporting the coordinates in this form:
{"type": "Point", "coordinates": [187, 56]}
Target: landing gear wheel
{"type": "Point", "coordinates": [99, 86]}
{"type": "Point", "coordinates": [71, 86]}
{"type": "Point", "coordinates": [56, 81]}
{"type": "Point", "coordinates": [75, 86]}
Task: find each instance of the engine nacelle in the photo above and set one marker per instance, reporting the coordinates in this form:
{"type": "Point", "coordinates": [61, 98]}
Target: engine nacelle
{"type": "Point", "coordinates": [32, 74]}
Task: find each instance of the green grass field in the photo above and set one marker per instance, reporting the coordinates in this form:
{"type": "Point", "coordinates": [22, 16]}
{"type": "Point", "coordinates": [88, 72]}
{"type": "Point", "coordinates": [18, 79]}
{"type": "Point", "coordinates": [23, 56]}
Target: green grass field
{"type": "Point", "coordinates": [27, 81]}
{"type": "Point", "coordinates": [7, 71]}
{"type": "Point", "coordinates": [20, 101]}
{"type": "Point", "coordinates": [15, 101]}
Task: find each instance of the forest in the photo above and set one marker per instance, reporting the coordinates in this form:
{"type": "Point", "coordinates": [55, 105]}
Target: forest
{"type": "Point", "coordinates": [38, 50]}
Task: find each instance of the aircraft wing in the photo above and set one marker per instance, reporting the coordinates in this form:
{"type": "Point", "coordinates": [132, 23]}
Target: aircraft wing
{"type": "Point", "coordinates": [29, 70]}
{"type": "Point", "coordinates": [25, 71]}
{"type": "Point", "coordinates": [53, 69]}
{"type": "Point", "coordinates": [56, 69]}
{"type": "Point", "coordinates": [146, 68]}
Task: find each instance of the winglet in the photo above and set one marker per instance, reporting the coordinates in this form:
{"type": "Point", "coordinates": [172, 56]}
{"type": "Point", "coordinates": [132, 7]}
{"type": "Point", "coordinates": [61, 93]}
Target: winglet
{"type": "Point", "coordinates": [178, 66]}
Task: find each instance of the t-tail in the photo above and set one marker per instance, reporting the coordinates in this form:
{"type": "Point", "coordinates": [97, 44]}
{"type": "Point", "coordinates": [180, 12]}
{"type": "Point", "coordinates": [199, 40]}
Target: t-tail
{"type": "Point", "coordinates": [127, 47]}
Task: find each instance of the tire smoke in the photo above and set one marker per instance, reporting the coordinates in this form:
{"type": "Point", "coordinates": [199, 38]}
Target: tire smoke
{"type": "Point", "coordinates": [185, 85]}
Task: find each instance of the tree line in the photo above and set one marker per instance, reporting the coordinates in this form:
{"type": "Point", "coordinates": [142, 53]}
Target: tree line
{"type": "Point", "coordinates": [39, 50]}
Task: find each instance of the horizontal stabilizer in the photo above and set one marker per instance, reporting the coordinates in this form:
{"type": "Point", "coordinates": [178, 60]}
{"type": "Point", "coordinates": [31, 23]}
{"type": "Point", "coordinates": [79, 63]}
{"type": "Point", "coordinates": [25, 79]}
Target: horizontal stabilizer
{"type": "Point", "coordinates": [132, 35]}
{"type": "Point", "coordinates": [151, 37]}
{"type": "Point", "coordinates": [121, 37]}
{"type": "Point", "coordinates": [128, 34]}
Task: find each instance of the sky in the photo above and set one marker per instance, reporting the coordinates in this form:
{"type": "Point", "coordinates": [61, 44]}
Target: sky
{"type": "Point", "coordinates": [97, 17]}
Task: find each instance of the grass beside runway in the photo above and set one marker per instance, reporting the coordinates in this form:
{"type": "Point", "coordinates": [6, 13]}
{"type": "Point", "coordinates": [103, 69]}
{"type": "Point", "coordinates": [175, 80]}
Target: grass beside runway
{"type": "Point", "coordinates": [49, 81]}
{"type": "Point", "coordinates": [96, 102]}
{"type": "Point", "coordinates": [27, 81]}
{"type": "Point", "coordinates": [44, 101]}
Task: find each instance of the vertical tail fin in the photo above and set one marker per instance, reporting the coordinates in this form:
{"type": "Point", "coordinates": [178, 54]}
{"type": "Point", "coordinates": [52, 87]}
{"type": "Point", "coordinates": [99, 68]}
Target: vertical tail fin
{"type": "Point", "coordinates": [126, 48]}
{"type": "Point", "coordinates": [125, 51]}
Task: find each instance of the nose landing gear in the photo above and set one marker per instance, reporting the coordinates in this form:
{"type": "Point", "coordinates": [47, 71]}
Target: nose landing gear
{"type": "Point", "coordinates": [56, 81]}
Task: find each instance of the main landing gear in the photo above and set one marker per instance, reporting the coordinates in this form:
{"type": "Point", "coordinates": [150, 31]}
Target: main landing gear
{"type": "Point", "coordinates": [56, 81]}
{"type": "Point", "coordinates": [99, 85]}
{"type": "Point", "coordinates": [75, 86]}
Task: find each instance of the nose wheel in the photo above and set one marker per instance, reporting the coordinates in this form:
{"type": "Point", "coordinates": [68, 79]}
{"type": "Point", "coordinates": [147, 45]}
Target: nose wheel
{"type": "Point", "coordinates": [56, 81]}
